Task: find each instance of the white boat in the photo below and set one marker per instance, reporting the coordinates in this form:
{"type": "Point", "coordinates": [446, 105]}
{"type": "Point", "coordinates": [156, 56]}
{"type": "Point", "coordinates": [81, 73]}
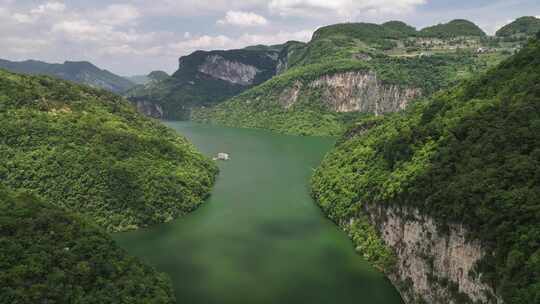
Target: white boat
{"type": "Point", "coordinates": [222, 156]}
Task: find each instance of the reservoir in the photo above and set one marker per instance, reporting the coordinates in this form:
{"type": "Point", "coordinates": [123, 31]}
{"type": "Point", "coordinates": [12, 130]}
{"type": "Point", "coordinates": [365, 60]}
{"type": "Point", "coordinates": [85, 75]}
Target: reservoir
{"type": "Point", "coordinates": [259, 238]}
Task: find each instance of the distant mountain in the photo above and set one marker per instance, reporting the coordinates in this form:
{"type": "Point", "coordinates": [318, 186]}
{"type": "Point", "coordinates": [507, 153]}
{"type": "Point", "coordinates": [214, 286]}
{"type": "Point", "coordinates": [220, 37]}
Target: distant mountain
{"type": "Point", "coordinates": [205, 79]}
{"type": "Point", "coordinates": [138, 79]}
{"type": "Point", "coordinates": [524, 26]}
{"type": "Point", "coordinates": [144, 79]}
{"type": "Point", "coordinates": [77, 71]}
{"type": "Point", "coordinates": [454, 28]}
{"type": "Point", "coordinates": [157, 76]}
{"type": "Point", "coordinates": [351, 70]}
{"type": "Point", "coordinates": [400, 26]}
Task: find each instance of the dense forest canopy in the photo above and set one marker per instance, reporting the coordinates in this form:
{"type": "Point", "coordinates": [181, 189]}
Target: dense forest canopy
{"type": "Point", "coordinates": [454, 28]}
{"type": "Point", "coordinates": [51, 256]}
{"type": "Point", "coordinates": [88, 151]}
{"type": "Point", "coordinates": [468, 155]}
{"type": "Point", "coordinates": [527, 26]}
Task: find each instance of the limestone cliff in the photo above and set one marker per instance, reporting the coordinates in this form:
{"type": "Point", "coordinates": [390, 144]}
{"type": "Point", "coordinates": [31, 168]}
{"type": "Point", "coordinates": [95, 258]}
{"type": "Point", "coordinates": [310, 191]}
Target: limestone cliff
{"type": "Point", "coordinates": [204, 79]}
{"type": "Point", "coordinates": [434, 263]}
{"type": "Point", "coordinates": [358, 91]}
{"type": "Point", "coordinates": [230, 71]}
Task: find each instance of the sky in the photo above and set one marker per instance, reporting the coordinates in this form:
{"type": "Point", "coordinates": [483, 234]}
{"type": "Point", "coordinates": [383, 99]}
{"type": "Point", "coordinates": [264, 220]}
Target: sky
{"type": "Point", "coordinates": [139, 36]}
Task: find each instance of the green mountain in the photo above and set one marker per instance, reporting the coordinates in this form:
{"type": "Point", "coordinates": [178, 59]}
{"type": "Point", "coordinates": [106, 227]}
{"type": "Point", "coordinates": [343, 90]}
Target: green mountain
{"type": "Point", "coordinates": [51, 256]}
{"type": "Point", "coordinates": [447, 193]}
{"type": "Point", "coordinates": [401, 27]}
{"type": "Point", "coordinates": [204, 79]}
{"type": "Point", "coordinates": [88, 151]}
{"type": "Point", "coordinates": [347, 71]}
{"type": "Point", "coordinates": [454, 28]}
{"type": "Point", "coordinates": [138, 79]}
{"type": "Point", "coordinates": [79, 72]}
{"type": "Point", "coordinates": [145, 79]}
{"type": "Point", "coordinates": [524, 26]}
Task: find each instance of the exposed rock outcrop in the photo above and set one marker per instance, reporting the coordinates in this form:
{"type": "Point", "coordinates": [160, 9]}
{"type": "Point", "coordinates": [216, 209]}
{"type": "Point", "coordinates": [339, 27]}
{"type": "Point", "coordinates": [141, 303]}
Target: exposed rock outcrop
{"type": "Point", "coordinates": [355, 92]}
{"type": "Point", "coordinates": [149, 109]}
{"type": "Point", "coordinates": [230, 71]}
{"type": "Point", "coordinates": [363, 92]}
{"type": "Point", "coordinates": [434, 265]}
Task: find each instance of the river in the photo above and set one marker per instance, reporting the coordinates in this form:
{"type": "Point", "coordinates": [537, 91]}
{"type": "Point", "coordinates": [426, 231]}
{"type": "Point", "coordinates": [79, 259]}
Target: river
{"type": "Point", "coordinates": [260, 238]}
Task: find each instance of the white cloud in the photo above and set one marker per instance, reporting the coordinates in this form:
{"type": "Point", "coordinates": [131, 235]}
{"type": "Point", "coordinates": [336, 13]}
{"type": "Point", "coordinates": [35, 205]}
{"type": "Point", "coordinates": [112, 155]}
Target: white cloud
{"type": "Point", "coordinates": [200, 7]}
{"type": "Point", "coordinates": [80, 29]}
{"type": "Point", "coordinates": [23, 18]}
{"type": "Point", "coordinates": [83, 30]}
{"type": "Point", "coordinates": [239, 18]}
{"type": "Point", "coordinates": [118, 14]}
{"type": "Point", "coordinates": [275, 38]}
{"type": "Point", "coordinates": [343, 8]}
{"type": "Point", "coordinates": [49, 7]}
{"type": "Point", "coordinates": [204, 42]}
{"type": "Point", "coordinates": [208, 42]}
{"type": "Point", "coordinates": [43, 10]}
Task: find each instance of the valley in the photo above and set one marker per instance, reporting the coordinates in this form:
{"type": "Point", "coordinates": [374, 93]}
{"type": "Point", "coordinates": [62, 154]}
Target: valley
{"type": "Point", "coordinates": [259, 238]}
{"type": "Point", "coordinates": [374, 163]}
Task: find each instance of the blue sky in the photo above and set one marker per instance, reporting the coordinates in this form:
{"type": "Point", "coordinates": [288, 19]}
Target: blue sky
{"type": "Point", "coordinates": [138, 36]}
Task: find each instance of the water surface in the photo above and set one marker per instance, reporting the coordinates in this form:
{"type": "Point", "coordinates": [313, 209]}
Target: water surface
{"type": "Point", "coordinates": [260, 238]}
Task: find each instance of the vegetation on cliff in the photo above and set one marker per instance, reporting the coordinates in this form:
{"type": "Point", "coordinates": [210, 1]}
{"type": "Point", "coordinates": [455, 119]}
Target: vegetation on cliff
{"type": "Point", "coordinates": [89, 152]}
{"type": "Point", "coordinates": [469, 155]}
{"type": "Point", "coordinates": [338, 49]}
{"type": "Point", "coordinates": [50, 256]}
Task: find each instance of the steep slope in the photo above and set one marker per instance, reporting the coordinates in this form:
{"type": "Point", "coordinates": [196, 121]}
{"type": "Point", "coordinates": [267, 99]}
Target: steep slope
{"type": "Point", "coordinates": [454, 28]}
{"type": "Point", "coordinates": [207, 78]}
{"type": "Point", "coordinates": [524, 26]}
{"type": "Point", "coordinates": [151, 83]}
{"type": "Point", "coordinates": [50, 256]}
{"type": "Point", "coordinates": [445, 197]}
{"type": "Point", "coordinates": [345, 71]}
{"type": "Point", "coordinates": [88, 151]}
{"type": "Point", "coordinates": [79, 72]}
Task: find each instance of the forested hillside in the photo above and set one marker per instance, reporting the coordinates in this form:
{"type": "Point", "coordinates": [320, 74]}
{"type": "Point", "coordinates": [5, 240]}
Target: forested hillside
{"type": "Point", "coordinates": [524, 26]}
{"type": "Point", "coordinates": [467, 156]}
{"type": "Point", "coordinates": [88, 151]}
{"type": "Point", "coordinates": [454, 28]}
{"type": "Point", "coordinates": [51, 256]}
{"type": "Point", "coordinates": [393, 65]}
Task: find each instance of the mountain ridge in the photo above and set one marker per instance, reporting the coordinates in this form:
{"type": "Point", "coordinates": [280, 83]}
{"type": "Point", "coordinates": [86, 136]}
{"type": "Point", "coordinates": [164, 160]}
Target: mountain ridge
{"type": "Point", "coordinates": [399, 58]}
{"type": "Point", "coordinates": [82, 72]}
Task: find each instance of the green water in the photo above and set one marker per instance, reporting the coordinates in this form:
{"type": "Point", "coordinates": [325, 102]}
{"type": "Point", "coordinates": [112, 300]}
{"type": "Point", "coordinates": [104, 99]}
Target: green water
{"type": "Point", "coordinates": [260, 238]}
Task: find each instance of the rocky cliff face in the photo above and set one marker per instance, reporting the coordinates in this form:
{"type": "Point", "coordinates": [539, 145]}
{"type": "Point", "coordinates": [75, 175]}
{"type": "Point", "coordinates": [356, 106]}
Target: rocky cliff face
{"type": "Point", "coordinates": [230, 71]}
{"type": "Point", "coordinates": [434, 264]}
{"type": "Point", "coordinates": [149, 109]}
{"type": "Point", "coordinates": [355, 92]}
